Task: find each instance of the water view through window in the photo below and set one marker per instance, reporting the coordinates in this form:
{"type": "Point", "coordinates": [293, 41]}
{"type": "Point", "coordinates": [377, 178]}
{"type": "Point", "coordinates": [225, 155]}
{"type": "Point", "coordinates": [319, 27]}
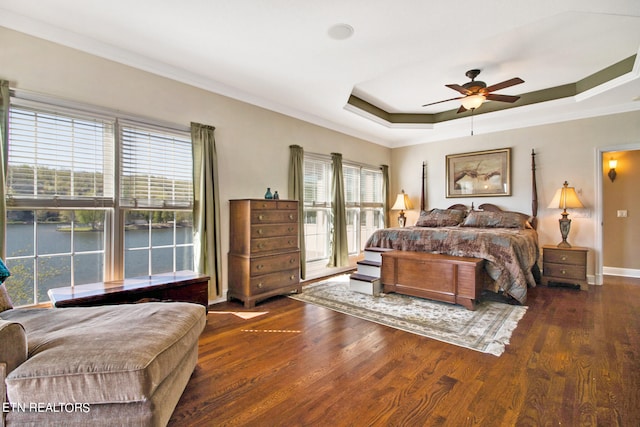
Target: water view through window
{"type": "Point", "coordinates": [42, 255]}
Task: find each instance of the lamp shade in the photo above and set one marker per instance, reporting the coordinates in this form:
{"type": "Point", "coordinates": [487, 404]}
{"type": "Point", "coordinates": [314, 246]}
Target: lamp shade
{"type": "Point", "coordinates": [472, 102]}
{"type": "Point", "coordinates": [402, 202]}
{"type": "Point", "coordinates": [566, 197]}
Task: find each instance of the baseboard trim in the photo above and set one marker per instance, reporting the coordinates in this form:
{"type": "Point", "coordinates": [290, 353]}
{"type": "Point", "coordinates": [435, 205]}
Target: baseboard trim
{"type": "Point", "coordinates": [625, 272]}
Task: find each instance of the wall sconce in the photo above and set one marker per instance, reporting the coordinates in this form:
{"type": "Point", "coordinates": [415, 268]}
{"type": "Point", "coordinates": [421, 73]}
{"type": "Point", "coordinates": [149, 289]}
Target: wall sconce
{"type": "Point", "coordinates": [402, 203]}
{"type": "Point", "coordinates": [565, 197]}
{"type": "Point", "coordinates": [612, 169]}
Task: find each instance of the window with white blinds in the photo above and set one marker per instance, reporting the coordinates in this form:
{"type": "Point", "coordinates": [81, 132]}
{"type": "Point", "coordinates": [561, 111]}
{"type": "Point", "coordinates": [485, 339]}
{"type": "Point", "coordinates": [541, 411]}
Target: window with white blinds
{"type": "Point", "coordinates": [351, 176]}
{"type": "Point", "coordinates": [58, 156]}
{"type": "Point", "coordinates": [317, 182]}
{"type": "Point", "coordinates": [363, 200]}
{"type": "Point", "coordinates": [371, 187]}
{"type": "Point", "coordinates": [156, 168]}
{"type": "Point", "coordinates": [68, 164]}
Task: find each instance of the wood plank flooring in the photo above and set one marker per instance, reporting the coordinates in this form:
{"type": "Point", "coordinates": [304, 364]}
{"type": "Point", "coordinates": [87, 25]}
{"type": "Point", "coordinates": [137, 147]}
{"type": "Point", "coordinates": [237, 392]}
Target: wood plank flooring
{"type": "Point", "coordinates": [574, 360]}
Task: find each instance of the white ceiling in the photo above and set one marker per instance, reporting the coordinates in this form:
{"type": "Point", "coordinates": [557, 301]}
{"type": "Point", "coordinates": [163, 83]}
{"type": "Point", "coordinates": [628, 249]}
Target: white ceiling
{"type": "Point", "coordinates": [278, 54]}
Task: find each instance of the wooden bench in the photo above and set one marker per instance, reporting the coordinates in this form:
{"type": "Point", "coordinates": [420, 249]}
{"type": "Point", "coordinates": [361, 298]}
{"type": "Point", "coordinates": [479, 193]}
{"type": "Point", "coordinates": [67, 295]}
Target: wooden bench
{"type": "Point", "coordinates": [456, 280]}
{"type": "Point", "coordinates": [183, 286]}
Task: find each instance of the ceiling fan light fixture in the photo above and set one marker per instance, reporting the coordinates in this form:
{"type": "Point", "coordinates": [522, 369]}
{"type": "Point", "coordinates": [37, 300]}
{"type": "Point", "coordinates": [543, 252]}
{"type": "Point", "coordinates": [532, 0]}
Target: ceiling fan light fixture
{"type": "Point", "coordinates": [472, 102]}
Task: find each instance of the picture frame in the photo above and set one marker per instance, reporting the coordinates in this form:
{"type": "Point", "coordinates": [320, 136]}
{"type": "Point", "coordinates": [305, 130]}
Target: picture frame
{"type": "Point", "coordinates": [479, 174]}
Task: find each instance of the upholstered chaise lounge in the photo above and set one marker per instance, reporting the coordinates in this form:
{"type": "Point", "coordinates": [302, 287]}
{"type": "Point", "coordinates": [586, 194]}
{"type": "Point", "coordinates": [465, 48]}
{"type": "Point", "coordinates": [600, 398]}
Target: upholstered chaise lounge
{"type": "Point", "coordinates": [109, 365]}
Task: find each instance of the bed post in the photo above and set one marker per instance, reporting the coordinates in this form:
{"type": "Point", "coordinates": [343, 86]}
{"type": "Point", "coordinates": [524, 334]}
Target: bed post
{"type": "Point", "coordinates": [535, 270]}
{"type": "Point", "coordinates": [422, 193]}
{"type": "Point", "coordinates": [534, 190]}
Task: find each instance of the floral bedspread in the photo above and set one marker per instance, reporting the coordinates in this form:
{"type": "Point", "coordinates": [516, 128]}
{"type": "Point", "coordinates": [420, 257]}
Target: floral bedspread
{"type": "Point", "coordinates": [510, 253]}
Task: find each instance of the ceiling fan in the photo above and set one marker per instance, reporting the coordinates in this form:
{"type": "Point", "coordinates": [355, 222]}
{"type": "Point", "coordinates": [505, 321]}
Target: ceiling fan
{"type": "Point", "coordinates": [476, 92]}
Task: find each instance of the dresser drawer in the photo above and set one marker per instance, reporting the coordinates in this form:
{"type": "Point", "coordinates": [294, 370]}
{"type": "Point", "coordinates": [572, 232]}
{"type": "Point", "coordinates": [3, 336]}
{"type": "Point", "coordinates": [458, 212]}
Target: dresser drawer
{"type": "Point", "coordinates": [270, 244]}
{"type": "Point", "coordinates": [564, 271]}
{"type": "Point", "coordinates": [273, 230]}
{"type": "Point", "coordinates": [275, 216]}
{"type": "Point", "coordinates": [287, 204]}
{"type": "Point", "coordinates": [269, 282]}
{"type": "Point", "coordinates": [263, 204]}
{"type": "Point", "coordinates": [274, 263]}
{"type": "Point", "coordinates": [564, 257]}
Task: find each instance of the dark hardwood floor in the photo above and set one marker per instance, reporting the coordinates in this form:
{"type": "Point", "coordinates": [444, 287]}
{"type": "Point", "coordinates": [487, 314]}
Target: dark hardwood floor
{"type": "Point", "coordinates": [574, 360]}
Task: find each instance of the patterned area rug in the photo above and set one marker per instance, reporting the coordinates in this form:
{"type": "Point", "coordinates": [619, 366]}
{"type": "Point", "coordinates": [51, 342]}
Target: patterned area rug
{"type": "Point", "coordinates": [487, 329]}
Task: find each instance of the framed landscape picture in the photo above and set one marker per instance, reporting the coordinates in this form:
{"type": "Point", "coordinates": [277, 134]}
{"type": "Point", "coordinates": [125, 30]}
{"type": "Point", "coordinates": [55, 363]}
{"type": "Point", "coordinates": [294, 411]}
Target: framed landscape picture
{"type": "Point", "coordinates": [479, 174]}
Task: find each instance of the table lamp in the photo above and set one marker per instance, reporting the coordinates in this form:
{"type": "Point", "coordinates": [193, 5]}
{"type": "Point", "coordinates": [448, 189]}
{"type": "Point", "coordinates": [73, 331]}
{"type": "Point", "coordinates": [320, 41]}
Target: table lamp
{"type": "Point", "coordinates": [402, 203]}
{"type": "Point", "coordinates": [565, 197]}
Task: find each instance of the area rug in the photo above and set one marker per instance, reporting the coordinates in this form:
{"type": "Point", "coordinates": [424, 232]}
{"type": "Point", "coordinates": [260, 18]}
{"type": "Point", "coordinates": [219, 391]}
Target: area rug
{"type": "Point", "coordinates": [487, 329]}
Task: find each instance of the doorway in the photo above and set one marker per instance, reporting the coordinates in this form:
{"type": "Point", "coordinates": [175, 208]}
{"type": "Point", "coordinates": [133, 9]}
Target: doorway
{"type": "Point", "coordinates": [619, 211]}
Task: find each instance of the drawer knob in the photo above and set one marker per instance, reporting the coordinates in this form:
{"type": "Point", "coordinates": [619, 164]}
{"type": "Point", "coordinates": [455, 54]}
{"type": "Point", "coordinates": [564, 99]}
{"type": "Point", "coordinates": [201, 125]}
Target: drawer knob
{"type": "Point", "coordinates": [259, 266]}
{"type": "Point", "coordinates": [290, 216]}
{"type": "Point", "coordinates": [564, 258]}
{"type": "Point", "coordinates": [260, 231]}
{"type": "Point", "coordinates": [292, 260]}
{"type": "Point", "coordinates": [564, 271]}
{"type": "Point", "coordinates": [260, 217]}
{"type": "Point", "coordinates": [292, 277]}
{"type": "Point", "coordinates": [260, 245]}
{"type": "Point", "coordinates": [290, 229]}
{"type": "Point", "coordinates": [260, 285]}
{"type": "Point", "coordinates": [290, 242]}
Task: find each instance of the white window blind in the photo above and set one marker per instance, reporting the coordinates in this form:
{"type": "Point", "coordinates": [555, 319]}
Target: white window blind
{"type": "Point", "coordinates": [156, 168]}
{"type": "Point", "coordinates": [317, 182]}
{"type": "Point", "coordinates": [351, 176]}
{"type": "Point", "coordinates": [371, 187]}
{"type": "Point", "coordinates": [59, 156]}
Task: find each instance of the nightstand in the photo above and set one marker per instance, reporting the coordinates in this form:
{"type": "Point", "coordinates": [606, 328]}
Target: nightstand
{"type": "Point", "coordinates": [564, 265]}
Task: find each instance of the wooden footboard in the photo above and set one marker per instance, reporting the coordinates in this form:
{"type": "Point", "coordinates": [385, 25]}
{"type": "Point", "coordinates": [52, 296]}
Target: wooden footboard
{"type": "Point", "coordinates": [446, 278]}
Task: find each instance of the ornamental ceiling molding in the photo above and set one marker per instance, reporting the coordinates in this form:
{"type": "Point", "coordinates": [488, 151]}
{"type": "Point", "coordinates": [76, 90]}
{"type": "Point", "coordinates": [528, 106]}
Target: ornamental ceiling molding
{"type": "Point", "coordinates": [580, 90]}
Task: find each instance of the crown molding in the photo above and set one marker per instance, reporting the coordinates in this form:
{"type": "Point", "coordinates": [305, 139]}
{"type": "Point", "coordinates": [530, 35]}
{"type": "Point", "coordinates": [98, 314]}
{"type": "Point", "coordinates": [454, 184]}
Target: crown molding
{"type": "Point", "coordinates": [619, 73]}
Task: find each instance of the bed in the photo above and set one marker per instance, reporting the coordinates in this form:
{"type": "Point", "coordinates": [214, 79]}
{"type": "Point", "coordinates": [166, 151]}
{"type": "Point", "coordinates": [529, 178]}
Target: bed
{"type": "Point", "coordinates": [507, 241]}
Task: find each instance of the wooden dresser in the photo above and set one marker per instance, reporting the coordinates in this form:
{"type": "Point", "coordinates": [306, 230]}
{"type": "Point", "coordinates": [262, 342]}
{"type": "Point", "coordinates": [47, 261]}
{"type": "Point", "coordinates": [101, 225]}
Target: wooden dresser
{"type": "Point", "coordinates": [264, 256]}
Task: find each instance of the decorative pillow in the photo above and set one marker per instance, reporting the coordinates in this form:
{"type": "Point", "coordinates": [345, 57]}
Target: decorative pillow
{"type": "Point", "coordinates": [440, 218]}
{"type": "Point", "coordinates": [4, 272]}
{"type": "Point", "coordinates": [5, 300]}
{"type": "Point", "coordinates": [486, 219]}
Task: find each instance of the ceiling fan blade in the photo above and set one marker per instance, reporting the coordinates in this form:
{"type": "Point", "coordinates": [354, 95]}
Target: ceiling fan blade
{"type": "Point", "coordinates": [446, 100]}
{"type": "Point", "coordinates": [461, 109]}
{"type": "Point", "coordinates": [459, 88]}
{"type": "Point", "coordinates": [502, 98]}
{"type": "Point", "coordinates": [507, 83]}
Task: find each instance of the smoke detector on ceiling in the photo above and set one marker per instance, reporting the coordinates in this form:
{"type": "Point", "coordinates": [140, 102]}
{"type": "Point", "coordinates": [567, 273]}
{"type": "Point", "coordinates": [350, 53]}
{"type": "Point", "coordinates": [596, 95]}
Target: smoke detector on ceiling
{"type": "Point", "coordinates": [340, 31]}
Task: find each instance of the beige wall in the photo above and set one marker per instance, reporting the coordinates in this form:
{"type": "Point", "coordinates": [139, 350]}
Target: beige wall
{"type": "Point", "coordinates": [565, 151]}
{"type": "Point", "coordinates": [252, 143]}
{"type": "Point", "coordinates": [621, 236]}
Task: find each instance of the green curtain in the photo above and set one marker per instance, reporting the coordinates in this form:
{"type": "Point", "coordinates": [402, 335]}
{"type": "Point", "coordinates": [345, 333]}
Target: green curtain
{"type": "Point", "coordinates": [385, 194]}
{"type": "Point", "coordinates": [206, 207]}
{"type": "Point", "coordinates": [339, 244]}
{"type": "Point", "coordinates": [296, 192]}
{"type": "Point", "coordinates": [4, 147]}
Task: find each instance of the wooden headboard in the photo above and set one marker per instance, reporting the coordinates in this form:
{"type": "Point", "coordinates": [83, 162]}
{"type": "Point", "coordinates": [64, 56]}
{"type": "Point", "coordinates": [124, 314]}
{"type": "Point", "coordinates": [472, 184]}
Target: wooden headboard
{"type": "Point", "coordinates": [492, 207]}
